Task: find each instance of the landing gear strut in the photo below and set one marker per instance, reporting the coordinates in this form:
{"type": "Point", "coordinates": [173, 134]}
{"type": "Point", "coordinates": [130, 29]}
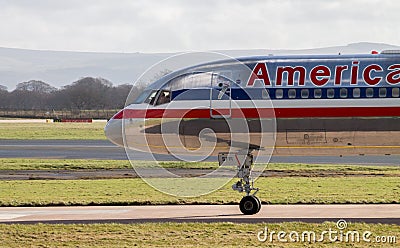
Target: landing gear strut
{"type": "Point", "coordinates": [250, 204]}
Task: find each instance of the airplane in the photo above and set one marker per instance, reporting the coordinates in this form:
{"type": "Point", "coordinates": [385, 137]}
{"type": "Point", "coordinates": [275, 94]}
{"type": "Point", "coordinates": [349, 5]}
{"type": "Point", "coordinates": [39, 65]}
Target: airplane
{"type": "Point", "coordinates": [286, 105]}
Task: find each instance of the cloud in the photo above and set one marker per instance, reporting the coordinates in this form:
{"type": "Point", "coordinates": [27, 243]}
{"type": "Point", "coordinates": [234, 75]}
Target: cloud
{"type": "Point", "coordinates": [177, 25]}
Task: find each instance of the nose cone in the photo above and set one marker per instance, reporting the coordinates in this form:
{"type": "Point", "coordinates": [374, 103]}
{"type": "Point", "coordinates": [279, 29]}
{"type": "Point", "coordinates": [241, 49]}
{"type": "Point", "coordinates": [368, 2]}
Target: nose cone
{"type": "Point", "coordinates": [113, 130]}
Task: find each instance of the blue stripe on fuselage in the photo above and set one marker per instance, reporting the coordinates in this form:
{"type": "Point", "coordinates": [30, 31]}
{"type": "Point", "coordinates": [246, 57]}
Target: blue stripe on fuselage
{"type": "Point", "coordinates": [291, 93]}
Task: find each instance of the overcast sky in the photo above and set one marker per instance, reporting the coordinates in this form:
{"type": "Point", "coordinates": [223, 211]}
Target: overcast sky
{"type": "Point", "coordinates": [172, 26]}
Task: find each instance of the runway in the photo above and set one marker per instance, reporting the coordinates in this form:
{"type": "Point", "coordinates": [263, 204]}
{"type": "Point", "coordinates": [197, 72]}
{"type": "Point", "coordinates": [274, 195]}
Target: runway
{"type": "Point", "coordinates": [388, 214]}
{"type": "Point", "coordinates": [103, 149]}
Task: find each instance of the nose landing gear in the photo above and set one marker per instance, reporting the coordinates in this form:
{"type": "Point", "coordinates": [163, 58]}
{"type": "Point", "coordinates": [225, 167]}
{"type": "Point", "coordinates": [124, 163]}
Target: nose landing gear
{"type": "Point", "coordinates": [250, 204]}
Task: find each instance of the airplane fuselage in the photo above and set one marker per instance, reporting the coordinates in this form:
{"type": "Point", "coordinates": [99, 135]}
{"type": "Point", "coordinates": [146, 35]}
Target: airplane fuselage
{"type": "Point", "coordinates": [333, 104]}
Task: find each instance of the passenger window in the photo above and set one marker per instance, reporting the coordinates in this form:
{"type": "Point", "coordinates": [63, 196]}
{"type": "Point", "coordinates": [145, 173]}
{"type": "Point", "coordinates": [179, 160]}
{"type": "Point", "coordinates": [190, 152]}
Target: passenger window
{"type": "Point", "coordinates": [265, 94]}
{"type": "Point", "coordinates": [292, 93]}
{"type": "Point", "coordinates": [279, 93]}
{"type": "Point", "coordinates": [343, 93]}
{"type": "Point", "coordinates": [304, 93]}
{"type": "Point", "coordinates": [369, 92]}
{"type": "Point", "coordinates": [395, 92]}
{"type": "Point", "coordinates": [382, 92]}
{"type": "Point", "coordinates": [356, 92]}
{"type": "Point", "coordinates": [330, 93]}
{"type": "Point", "coordinates": [164, 97]}
{"type": "Point", "coordinates": [317, 93]}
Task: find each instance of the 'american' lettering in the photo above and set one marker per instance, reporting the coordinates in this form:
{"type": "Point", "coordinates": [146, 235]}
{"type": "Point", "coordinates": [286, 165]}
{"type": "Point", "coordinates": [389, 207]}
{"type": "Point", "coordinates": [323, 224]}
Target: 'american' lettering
{"type": "Point", "coordinates": [320, 75]}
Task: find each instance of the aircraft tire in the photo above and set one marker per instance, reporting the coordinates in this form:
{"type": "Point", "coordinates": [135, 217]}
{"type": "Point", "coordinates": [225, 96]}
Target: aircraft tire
{"type": "Point", "coordinates": [259, 203]}
{"type": "Point", "coordinates": [249, 205]}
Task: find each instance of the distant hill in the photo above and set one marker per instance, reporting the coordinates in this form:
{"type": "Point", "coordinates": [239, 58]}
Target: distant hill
{"type": "Point", "coordinates": [62, 68]}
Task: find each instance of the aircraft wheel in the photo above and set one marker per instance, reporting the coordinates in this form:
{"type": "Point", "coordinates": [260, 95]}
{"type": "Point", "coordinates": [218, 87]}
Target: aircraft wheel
{"type": "Point", "coordinates": [250, 205]}
{"type": "Point", "coordinates": [259, 203]}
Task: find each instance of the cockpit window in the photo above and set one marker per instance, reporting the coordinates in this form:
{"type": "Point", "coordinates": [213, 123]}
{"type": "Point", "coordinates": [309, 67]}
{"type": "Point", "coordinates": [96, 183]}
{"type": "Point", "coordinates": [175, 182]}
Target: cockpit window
{"type": "Point", "coordinates": [154, 97]}
{"type": "Point", "coordinates": [163, 97]}
{"type": "Point", "coordinates": [151, 98]}
{"type": "Point", "coordinates": [186, 81]}
{"type": "Point", "coordinates": [142, 97]}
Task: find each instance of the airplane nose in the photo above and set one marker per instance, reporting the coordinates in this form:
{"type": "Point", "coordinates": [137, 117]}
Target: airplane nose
{"type": "Point", "coordinates": [113, 129]}
{"type": "Point", "coordinates": [129, 123]}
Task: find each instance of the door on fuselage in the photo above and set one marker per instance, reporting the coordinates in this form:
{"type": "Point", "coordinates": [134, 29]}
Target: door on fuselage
{"type": "Point", "coordinates": [220, 97]}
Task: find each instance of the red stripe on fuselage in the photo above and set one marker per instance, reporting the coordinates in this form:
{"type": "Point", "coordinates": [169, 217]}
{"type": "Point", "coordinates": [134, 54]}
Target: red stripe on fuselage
{"type": "Point", "coordinates": [262, 112]}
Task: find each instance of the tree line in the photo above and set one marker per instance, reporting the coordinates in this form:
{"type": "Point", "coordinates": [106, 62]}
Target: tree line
{"type": "Point", "coordinates": [84, 94]}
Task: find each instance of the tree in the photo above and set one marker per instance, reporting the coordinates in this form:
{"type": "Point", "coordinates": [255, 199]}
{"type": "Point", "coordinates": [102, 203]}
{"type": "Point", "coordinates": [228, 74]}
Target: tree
{"type": "Point", "coordinates": [36, 86]}
{"type": "Point", "coordinates": [88, 93]}
{"type": "Point", "coordinates": [4, 97]}
{"type": "Point", "coordinates": [3, 88]}
{"type": "Point", "coordinates": [84, 94]}
{"type": "Point", "coordinates": [118, 95]}
{"type": "Point", "coordinates": [31, 95]}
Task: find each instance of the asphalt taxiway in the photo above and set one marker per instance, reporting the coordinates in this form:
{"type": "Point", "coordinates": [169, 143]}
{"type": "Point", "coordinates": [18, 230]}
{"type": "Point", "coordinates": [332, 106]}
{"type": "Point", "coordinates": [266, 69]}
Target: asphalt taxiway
{"type": "Point", "coordinates": [103, 149]}
{"type": "Point", "coordinates": [376, 213]}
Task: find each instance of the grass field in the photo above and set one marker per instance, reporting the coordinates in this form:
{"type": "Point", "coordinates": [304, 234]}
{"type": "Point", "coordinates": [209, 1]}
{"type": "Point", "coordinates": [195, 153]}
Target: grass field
{"type": "Point", "coordinates": [296, 183]}
{"type": "Point", "coordinates": [275, 190]}
{"type": "Point", "coordinates": [74, 131]}
{"type": "Point", "coordinates": [290, 169]}
{"type": "Point", "coordinates": [187, 235]}
{"type": "Point", "coordinates": [85, 164]}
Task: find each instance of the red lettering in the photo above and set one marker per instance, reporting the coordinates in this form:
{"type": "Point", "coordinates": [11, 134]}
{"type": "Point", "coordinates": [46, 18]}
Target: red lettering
{"type": "Point", "coordinates": [259, 72]}
{"type": "Point", "coordinates": [394, 76]}
{"type": "Point", "coordinates": [367, 74]}
{"type": "Point", "coordinates": [354, 73]}
{"type": "Point", "coordinates": [320, 75]}
{"type": "Point", "coordinates": [290, 71]}
{"type": "Point", "coordinates": [338, 73]}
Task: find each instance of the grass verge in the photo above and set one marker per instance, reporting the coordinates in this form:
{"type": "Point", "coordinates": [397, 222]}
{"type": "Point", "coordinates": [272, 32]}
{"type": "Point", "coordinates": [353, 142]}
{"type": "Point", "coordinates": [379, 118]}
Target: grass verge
{"type": "Point", "coordinates": [57, 130]}
{"type": "Point", "coordinates": [89, 164]}
{"type": "Point", "coordinates": [276, 190]}
{"type": "Point", "coordinates": [185, 235]}
{"type": "Point", "coordinates": [294, 169]}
